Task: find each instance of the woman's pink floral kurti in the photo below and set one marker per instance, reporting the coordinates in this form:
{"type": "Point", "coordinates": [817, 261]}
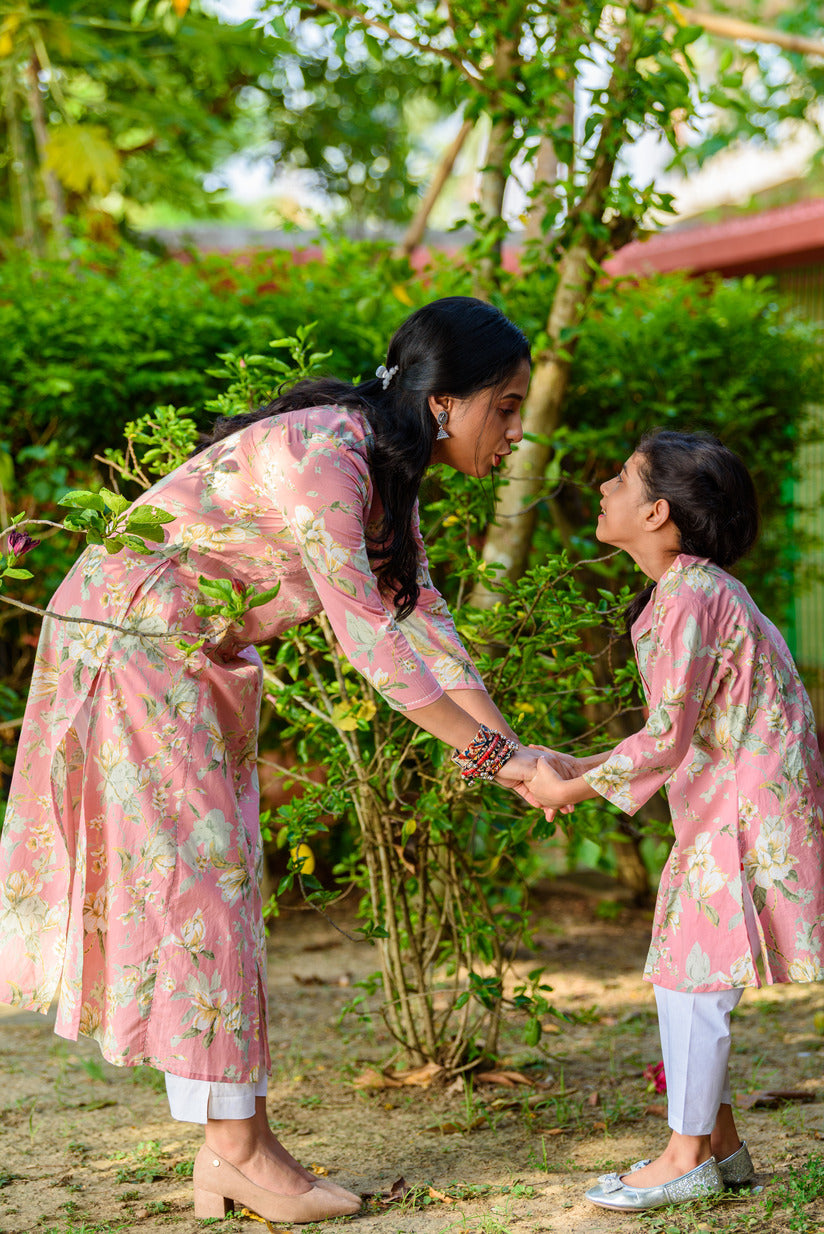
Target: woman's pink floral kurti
{"type": "Point", "coordinates": [731, 734]}
{"type": "Point", "coordinates": [129, 856]}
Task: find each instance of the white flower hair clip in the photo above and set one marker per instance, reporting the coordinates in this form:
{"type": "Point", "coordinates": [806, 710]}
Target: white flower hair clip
{"type": "Point", "coordinates": [386, 374]}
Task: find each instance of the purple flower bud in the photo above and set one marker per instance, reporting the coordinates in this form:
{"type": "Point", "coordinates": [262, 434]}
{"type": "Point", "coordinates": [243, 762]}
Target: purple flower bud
{"type": "Point", "coordinates": [20, 543]}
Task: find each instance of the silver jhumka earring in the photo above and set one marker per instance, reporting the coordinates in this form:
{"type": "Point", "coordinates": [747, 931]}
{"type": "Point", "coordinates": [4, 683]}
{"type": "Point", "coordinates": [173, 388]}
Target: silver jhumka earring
{"type": "Point", "coordinates": [443, 417]}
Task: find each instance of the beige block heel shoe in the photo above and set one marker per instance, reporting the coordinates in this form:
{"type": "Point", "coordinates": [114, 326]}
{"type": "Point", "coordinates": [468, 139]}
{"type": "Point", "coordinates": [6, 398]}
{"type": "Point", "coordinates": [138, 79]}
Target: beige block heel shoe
{"type": "Point", "coordinates": [219, 1186]}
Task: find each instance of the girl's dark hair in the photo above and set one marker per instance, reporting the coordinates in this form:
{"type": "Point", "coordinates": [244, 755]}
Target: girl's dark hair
{"type": "Point", "coordinates": [457, 346]}
{"type": "Point", "coordinates": [711, 497]}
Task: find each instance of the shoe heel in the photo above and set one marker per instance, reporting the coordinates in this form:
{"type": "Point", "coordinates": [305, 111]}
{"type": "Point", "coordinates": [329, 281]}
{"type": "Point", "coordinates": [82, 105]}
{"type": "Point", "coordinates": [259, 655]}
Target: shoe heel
{"type": "Point", "coordinates": [208, 1204]}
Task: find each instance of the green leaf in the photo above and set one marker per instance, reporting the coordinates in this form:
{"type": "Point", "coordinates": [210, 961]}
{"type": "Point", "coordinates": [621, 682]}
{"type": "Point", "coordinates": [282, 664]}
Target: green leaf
{"type": "Point", "coordinates": [146, 531]}
{"type": "Point", "coordinates": [82, 499]}
{"type": "Point", "coordinates": [83, 158]}
{"type": "Point", "coordinates": [150, 514]}
{"type": "Point", "coordinates": [532, 1032]}
{"type": "Point", "coordinates": [263, 597]}
{"type": "Point", "coordinates": [115, 502]}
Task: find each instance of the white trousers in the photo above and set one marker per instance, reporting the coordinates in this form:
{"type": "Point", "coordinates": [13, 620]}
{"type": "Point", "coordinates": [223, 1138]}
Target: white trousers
{"type": "Point", "coordinates": [695, 1047]}
{"type": "Point", "coordinates": [193, 1101]}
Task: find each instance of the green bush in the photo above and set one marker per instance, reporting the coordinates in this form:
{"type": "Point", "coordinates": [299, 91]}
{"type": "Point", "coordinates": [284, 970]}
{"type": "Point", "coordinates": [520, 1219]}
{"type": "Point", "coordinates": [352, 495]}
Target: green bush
{"type": "Point", "coordinates": [444, 873]}
{"type": "Point", "coordinates": [95, 343]}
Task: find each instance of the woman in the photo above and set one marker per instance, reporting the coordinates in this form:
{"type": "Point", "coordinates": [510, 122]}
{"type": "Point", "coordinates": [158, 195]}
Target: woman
{"type": "Point", "coordinates": [128, 883]}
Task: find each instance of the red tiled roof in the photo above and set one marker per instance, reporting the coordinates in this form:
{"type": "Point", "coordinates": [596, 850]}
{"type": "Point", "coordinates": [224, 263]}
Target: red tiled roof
{"type": "Point", "coordinates": [774, 239]}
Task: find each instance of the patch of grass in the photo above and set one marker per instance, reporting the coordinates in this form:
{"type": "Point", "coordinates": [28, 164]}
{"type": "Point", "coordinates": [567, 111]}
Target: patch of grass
{"type": "Point", "coordinates": [616, 1108]}
{"type": "Point", "coordinates": [7, 1178]}
{"type": "Point", "coordinates": [608, 910]}
{"type": "Point", "coordinates": [155, 1207]}
{"type": "Point", "coordinates": [86, 1227]}
{"type": "Point", "coordinates": [144, 1164]}
{"type": "Point", "coordinates": [147, 1077]}
{"type": "Point", "coordinates": [804, 1184]}
{"type": "Point", "coordinates": [94, 1070]}
{"type": "Point", "coordinates": [311, 1101]}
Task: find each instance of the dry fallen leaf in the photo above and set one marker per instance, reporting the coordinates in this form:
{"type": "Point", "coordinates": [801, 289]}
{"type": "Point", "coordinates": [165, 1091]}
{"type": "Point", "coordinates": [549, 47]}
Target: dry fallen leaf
{"type": "Point", "coordinates": [657, 1111]}
{"type": "Point", "coordinates": [396, 1192]}
{"type": "Point", "coordinates": [247, 1212]}
{"type": "Point", "coordinates": [769, 1098]}
{"type": "Point", "coordinates": [439, 1195]}
{"type": "Point", "coordinates": [420, 1076]}
{"type": "Point", "coordinates": [343, 980]}
{"type": "Point", "coordinates": [508, 1078]}
{"type": "Point", "coordinates": [458, 1128]}
{"type": "Point", "coordinates": [372, 1078]}
{"type": "Point", "coordinates": [594, 1099]}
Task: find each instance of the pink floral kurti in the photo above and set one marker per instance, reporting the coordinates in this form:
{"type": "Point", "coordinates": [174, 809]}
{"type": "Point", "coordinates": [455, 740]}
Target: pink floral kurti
{"type": "Point", "coordinates": [130, 853]}
{"type": "Point", "coordinates": [731, 734]}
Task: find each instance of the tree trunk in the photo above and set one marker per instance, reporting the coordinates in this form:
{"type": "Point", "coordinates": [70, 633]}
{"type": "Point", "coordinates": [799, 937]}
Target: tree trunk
{"type": "Point", "coordinates": [509, 538]}
{"type": "Point", "coordinates": [495, 172]}
{"type": "Point", "coordinates": [415, 231]}
{"type": "Point", "coordinates": [52, 185]}
{"type": "Point", "coordinates": [546, 173]}
{"type": "Point", "coordinates": [20, 169]}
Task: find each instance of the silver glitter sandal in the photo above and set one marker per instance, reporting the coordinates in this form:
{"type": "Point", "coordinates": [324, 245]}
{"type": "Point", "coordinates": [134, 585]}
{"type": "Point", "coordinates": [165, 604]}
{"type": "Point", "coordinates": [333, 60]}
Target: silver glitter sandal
{"type": "Point", "coordinates": [737, 1170]}
{"type": "Point", "coordinates": [698, 1184]}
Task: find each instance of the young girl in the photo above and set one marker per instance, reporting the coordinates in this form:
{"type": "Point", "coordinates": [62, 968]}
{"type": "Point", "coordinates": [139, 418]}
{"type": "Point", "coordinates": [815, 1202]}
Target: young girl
{"type": "Point", "coordinates": [731, 734]}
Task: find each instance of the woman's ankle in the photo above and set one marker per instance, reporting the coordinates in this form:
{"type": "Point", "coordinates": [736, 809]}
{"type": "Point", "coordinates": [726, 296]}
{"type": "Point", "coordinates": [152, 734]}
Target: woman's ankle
{"type": "Point", "coordinates": [235, 1139]}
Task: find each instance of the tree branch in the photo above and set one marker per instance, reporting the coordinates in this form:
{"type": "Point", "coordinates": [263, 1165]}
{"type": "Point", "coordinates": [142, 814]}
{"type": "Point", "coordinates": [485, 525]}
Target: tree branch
{"type": "Point", "coordinates": [459, 62]}
{"type": "Point", "coordinates": [731, 28]}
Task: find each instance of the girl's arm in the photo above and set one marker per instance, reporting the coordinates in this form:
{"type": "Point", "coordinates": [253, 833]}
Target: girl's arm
{"type": "Point", "coordinates": [684, 666]}
{"type": "Point", "coordinates": [552, 792]}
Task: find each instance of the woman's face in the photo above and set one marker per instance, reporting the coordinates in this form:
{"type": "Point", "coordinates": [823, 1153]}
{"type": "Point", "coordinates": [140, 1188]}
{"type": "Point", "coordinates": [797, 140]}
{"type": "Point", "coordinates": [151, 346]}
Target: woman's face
{"type": "Point", "coordinates": [481, 433]}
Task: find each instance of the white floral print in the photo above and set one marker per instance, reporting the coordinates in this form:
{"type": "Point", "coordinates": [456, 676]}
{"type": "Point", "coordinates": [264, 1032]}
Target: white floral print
{"type": "Point", "coordinates": [162, 956]}
{"type": "Point", "coordinates": [730, 737]}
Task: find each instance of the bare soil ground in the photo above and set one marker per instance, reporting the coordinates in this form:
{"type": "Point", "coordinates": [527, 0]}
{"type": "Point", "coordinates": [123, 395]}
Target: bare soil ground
{"type": "Point", "coordinates": [86, 1148]}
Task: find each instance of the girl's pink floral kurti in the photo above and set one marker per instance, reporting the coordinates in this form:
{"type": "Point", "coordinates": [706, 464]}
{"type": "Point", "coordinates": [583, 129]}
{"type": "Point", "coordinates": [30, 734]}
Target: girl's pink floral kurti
{"type": "Point", "coordinates": [731, 734]}
{"type": "Point", "coordinates": [129, 857]}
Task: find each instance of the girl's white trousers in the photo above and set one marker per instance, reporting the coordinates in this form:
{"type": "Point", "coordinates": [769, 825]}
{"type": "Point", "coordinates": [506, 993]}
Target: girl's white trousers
{"type": "Point", "coordinates": [695, 1046]}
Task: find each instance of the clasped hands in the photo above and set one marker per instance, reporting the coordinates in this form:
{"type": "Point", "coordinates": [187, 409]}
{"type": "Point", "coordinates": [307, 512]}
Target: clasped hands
{"type": "Point", "coordinates": [538, 774]}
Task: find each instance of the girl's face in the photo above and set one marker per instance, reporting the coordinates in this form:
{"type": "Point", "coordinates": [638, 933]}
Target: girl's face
{"type": "Point", "coordinates": [480, 433]}
{"type": "Point", "coordinates": [624, 505]}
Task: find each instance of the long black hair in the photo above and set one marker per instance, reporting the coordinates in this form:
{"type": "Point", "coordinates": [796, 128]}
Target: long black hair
{"type": "Point", "coordinates": [456, 346]}
{"type": "Point", "coordinates": [711, 495]}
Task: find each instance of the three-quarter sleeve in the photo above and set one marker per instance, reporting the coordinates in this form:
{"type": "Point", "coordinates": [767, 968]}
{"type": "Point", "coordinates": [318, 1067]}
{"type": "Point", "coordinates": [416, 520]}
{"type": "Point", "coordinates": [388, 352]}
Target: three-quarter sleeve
{"type": "Point", "coordinates": [431, 630]}
{"type": "Point", "coordinates": [682, 674]}
{"type": "Point", "coordinates": [323, 492]}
